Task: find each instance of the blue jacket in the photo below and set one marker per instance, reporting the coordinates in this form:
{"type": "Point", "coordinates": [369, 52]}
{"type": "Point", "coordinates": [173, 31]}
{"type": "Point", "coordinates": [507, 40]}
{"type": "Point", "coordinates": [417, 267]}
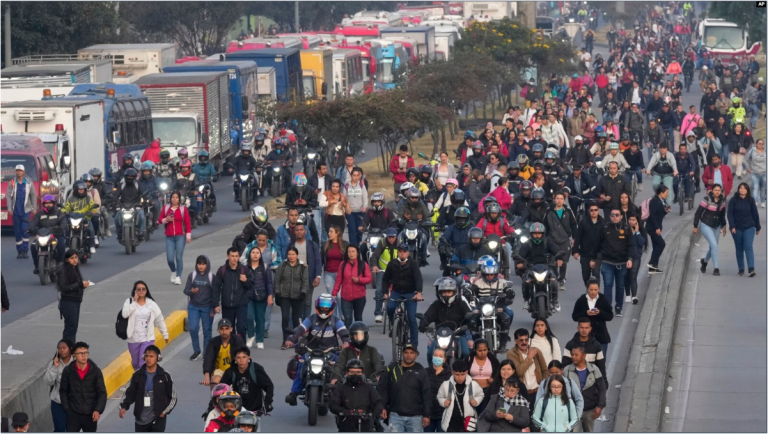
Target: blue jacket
{"type": "Point", "coordinates": [283, 240]}
{"type": "Point", "coordinates": [639, 244]}
{"type": "Point", "coordinates": [456, 237]}
{"type": "Point", "coordinates": [742, 213]}
{"type": "Point", "coordinates": [262, 280]}
{"type": "Point", "coordinates": [146, 185]}
{"type": "Point", "coordinates": [205, 172]}
{"type": "Point", "coordinates": [315, 264]}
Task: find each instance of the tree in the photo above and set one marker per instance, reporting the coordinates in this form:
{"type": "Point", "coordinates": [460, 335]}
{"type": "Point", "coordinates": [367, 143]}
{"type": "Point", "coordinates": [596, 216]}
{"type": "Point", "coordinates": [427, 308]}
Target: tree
{"type": "Point", "coordinates": [60, 27]}
{"type": "Point", "coordinates": [745, 14]}
{"type": "Point", "coordinates": [198, 27]}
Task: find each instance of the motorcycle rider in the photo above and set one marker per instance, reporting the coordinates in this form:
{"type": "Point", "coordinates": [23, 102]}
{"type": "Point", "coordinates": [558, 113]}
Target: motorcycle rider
{"type": "Point", "coordinates": [537, 150]}
{"type": "Point", "coordinates": [164, 169]}
{"type": "Point", "coordinates": [260, 150]}
{"type": "Point", "coordinates": [454, 237]}
{"type": "Point", "coordinates": [259, 221]}
{"type": "Point", "coordinates": [449, 307]}
{"type": "Point", "coordinates": [471, 252]}
{"type": "Point", "coordinates": [371, 360]}
{"type": "Point", "coordinates": [94, 193]}
{"type": "Point", "coordinates": [579, 188]}
{"type": "Point", "coordinates": [513, 172]}
{"type": "Point", "coordinates": [579, 154]}
{"type": "Point", "coordinates": [526, 170]}
{"type": "Point", "coordinates": [415, 210]}
{"type": "Point", "coordinates": [478, 160]}
{"type": "Point", "coordinates": [520, 204]}
{"type": "Point", "coordinates": [457, 200]}
{"type": "Point", "coordinates": [230, 404]}
{"type": "Point", "coordinates": [106, 194]}
{"type": "Point", "coordinates": [82, 203]}
{"type": "Point", "coordinates": [425, 177]}
{"type": "Point", "coordinates": [148, 184]}
{"type": "Point", "coordinates": [377, 216]}
{"type": "Point", "coordinates": [490, 280]}
{"type": "Point", "coordinates": [551, 168]}
{"type": "Point", "coordinates": [282, 155]}
{"type": "Point", "coordinates": [186, 181]}
{"type": "Point", "coordinates": [206, 173]}
{"type": "Point", "coordinates": [353, 400]}
{"type": "Point", "coordinates": [537, 208]}
{"type": "Point", "coordinates": [52, 218]}
{"type": "Point", "coordinates": [385, 252]}
{"type": "Point", "coordinates": [129, 196]}
{"type": "Point", "coordinates": [600, 148]}
{"type": "Point", "coordinates": [412, 175]}
{"type": "Point", "coordinates": [243, 163]}
{"type": "Point", "coordinates": [493, 222]}
{"type": "Point", "coordinates": [535, 252]}
{"type": "Point", "coordinates": [127, 164]}
{"type": "Point", "coordinates": [317, 326]}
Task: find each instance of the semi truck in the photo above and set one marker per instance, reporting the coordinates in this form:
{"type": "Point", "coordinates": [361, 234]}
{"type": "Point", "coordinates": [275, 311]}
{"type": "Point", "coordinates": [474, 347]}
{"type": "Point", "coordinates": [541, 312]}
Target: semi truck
{"type": "Point", "coordinates": [243, 80]}
{"type": "Point", "coordinates": [287, 64]}
{"type": "Point", "coordinates": [423, 35]}
{"type": "Point", "coordinates": [132, 61]}
{"type": "Point", "coordinates": [30, 75]}
{"type": "Point", "coordinates": [191, 110]}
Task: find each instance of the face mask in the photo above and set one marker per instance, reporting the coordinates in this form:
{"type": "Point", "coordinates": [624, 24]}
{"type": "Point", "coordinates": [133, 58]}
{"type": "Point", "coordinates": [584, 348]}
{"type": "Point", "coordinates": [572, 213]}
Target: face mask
{"type": "Point", "coordinates": [278, 151]}
{"type": "Point", "coordinates": [48, 209]}
{"type": "Point", "coordinates": [437, 362]}
{"type": "Point", "coordinates": [355, 380]}
{"type": "Point", "coordinates": [229, 413]}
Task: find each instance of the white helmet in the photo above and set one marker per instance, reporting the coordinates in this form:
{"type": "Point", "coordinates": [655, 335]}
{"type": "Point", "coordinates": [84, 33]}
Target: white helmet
{"type": "Point", "coordinates": [259, 216]}
{"type": "Point", "coordinates": [404, 187]}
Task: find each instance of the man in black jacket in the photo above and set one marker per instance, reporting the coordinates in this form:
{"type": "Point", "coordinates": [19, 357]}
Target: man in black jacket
{"type": "Point", "coordinates": [226, 340]}
{"type": "Point", "coordinates": [615, 246]}
{"type": "Point", "coordinates": [231, 289]}
{"type": "Point", "coordinates": [319, 183]}
{"type": "Point", "coordinates": [251, 381]}
{"type": "Point", "coordinates": [405, 390]}
{"type": "Point", "coordinates": [151, 389]}
{"type": "Point", "coordinates": [584, 338]}
{"type": "Point", "coordinates": [82, 391]}
{"type": "Point", "coordinates": [352, 399]}
{"type": "Point", "coordinates": [404, 276]}
{"type": "Point", "coordinates": [611, 186]}
{"type": "Point", "coordinates": [585, 240]}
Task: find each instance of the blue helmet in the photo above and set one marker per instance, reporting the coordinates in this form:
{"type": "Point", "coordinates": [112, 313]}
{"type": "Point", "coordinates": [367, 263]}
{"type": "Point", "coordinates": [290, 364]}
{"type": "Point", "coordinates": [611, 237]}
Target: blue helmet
{"type": "Point", "coordinates": [488, 266]}
{"type": "Point", "coordinates": [203, 156]}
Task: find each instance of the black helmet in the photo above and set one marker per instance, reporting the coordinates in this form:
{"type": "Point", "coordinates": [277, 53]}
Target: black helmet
{"type": "Point", "coordinates": [127, 156]}
{"type": "Point", "coordinates": [538, 193]}
{"type": "Point", "coordinates": [475, 233]}
{"type": "Point", "coordinates": [411, 171]}
{"type": "Point", "coordinates": [131, 173]}
{"type": "Point", "coordinates": [526, 186]}
{"type": "Point", "coordinates": [355, 363]}
{"type": "Point", "coordinates": [493, 208]}
{"type": "Point", "coordinates": [461, 217]}
{"type": "Point", "coordinates": [95, 172]}
{"type": "Point", "coordinates": [79, 185]}
{"type": "Point", "coordinates": [538, 163]}
{"type": "Point", "coordinates": [165, 156]}
{"type": "Point", "coordinates": [425, 168]}
{"type": "Point", "coordinates": [358, 335]}
{"type": "Point", "coordinates": [458, 198]}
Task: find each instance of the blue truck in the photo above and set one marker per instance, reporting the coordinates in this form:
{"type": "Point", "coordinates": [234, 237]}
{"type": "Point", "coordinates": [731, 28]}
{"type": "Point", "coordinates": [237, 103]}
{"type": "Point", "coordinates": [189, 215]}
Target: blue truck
{"type": "Point", "coordinates": [287, 64]}
{"type": "Point", "coordinates": [243, 80]}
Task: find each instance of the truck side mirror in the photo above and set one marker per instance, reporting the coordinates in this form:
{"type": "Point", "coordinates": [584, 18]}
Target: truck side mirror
{"type": "Point", "coordinates": [245, 103]}
{"type": "Point", "coordinates": [66, 161]}
{"type": "Point", "coordinates": [51, 165]}
{"type": "Point", "coordinates": [324, 88]}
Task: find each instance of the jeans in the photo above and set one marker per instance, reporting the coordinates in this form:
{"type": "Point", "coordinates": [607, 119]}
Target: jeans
{"type": "Point", "coordinates": [256, 312]}
{"type": "Point", "coordinates": [21, 231]}
{"type": "Point", "coordinates": [666, 180]}
{"type": "Point", "coordinates": [687, 184]}
{"type": "Point", "coordinates": [352, 309]}
{"type": "Point", "coordinates": [410, 309]}
{"type": "Point", "coordinates": [298, 382]}
{"type": "Point", "coordinates": [725, 155]}
{"type": "Point", "coordinates": [744, 240]}
{"type": "Point", "coordinates": [435, 425]}
{"type": "Point", "coordinates": [613, 273]}
{"type": "Point", "coordinates": [196, 315]}
{"type": "Point", "coordinates": [630, 281]}
{"type": "Point", "coordinates": [605, 350]}
{"type": "Point", "coordinates": [379, 292]}
{"type": "Point", "coordinates": [329, 279]}
{"type": "Point", "coordinates": [318, 218]}
{"type": "Point", "coordinates": [354, 220]}
{"type": "Point", "coordinates": [291, 309]}
{"type": "Point", "coordinates": [59, 417]}
{"type": "Point", "coordinates": [70, 310]}
{"type": "Point", "coordinates": [136, 349]}
{"type": "Point", "coordinates": [639, 173]}
{"type": "Point", "coordinates": [174, 253]}
{"type": "Point", "coordinates": [755, 113]}
{"type": "Point", "coordinates": [58, 253]}
{"type": "Point", "coordinates": [658, 243]}
{"type": "Point", "coordinates": [399, 423]}
{"type": "Point", "coordinates": [758, 187]}
{"type": "Point", "coordinates": [238, 316]}
{"type": "Point", "coordinates": [140, 220]}
{"type": "Point", "coordinates": [670, 133]}
{"type": "Point", "coordinates": [712, 235]}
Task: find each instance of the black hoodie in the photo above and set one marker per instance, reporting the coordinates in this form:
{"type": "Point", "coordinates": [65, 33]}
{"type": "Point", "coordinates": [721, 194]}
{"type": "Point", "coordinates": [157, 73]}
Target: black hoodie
{"type": "Point", "coordinates": [204, 282]}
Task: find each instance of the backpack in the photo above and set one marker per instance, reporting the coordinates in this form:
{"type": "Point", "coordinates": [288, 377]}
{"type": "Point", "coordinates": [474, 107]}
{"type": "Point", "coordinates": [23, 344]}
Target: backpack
{"type": "Point", "coordinates": [645, 209]}
{"type": "Point", "coordinates": [546, 401]}
{"type": "Point", "coordinates": [210, 276]}
{"type": "Point", "coordinates": [251, 371]}
{"type": "Point", "coordinates": [121, 326]}
{"type": "Point", "coordinates": [183, 209]}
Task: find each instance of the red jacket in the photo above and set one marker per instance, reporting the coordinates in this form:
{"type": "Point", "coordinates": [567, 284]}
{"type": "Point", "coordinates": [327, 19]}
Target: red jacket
{"type": "Point", "coordinates": [394, 165]}
{"type": "Point", "coordinates": [575, 85]}
{"type": "Point", "coordinates": [180, 221]}
{"type": "Point", "coordinates": [352, 290]}
{"type": "Point", "coordinates": [500, 228]}
{"type": "Point", "coordinates": [602, 81]}
{"type": "Point", "coordinates": [152, 153]}
{"type": "Point", "coordinates": [725, 173]}
{"type": "Point", "coordinates": [502, 197]}
{"type": "Point", "coordinates": [218, 423]}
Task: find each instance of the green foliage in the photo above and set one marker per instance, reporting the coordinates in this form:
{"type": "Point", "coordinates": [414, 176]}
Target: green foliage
{"type": "Point", "coordinates": [744, 14]}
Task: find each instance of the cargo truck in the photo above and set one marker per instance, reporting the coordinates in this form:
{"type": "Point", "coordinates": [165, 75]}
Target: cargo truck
{"type": "Point", "coordinates": [287, 64]}
{"type": "Point", "coordinates": [424, 36]}
{"type": "Point", "coordinates": [267, 84]}
{"type": "Point", "coordinates": [29, 76]}
{"type": "Point", "coordinates": [132, 61]}
{"type": "Point", "coordinates": [191, 110]}
{"type": "Point", "coordinates": [317, 71]}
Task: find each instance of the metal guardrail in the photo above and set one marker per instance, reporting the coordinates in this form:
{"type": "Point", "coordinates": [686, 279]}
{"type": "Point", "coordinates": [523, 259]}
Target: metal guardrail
{"type": "Point", "coordinates": [73, 58]}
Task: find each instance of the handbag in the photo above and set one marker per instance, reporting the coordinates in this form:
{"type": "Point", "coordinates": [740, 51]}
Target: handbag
{"type": "Point", "coordinates": [743, 151]}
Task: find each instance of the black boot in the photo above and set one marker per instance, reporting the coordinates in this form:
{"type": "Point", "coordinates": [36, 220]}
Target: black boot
{"type": "Point", "coordinates": [290, 399]}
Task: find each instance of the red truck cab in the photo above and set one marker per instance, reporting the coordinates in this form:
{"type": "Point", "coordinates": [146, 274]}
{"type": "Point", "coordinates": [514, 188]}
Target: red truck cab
{"type": "Point", "coordinates": [40, 168]}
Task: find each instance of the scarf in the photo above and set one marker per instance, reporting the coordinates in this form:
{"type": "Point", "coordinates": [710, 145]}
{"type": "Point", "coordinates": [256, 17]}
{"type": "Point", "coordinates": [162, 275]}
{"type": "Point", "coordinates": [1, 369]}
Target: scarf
{"type": "Point", "coordinates": [516, 400]}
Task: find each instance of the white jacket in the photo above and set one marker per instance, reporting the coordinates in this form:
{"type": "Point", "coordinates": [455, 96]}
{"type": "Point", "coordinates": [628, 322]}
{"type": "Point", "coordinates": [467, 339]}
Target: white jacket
{"type": "Point", "coordinates": [52, 379]}
{"type": "Point", "coordinates": [547, 351]}
{"type": "Point", "coordinates": [448, 391]}
{"type": "Point", "coordinates": [155, 317]}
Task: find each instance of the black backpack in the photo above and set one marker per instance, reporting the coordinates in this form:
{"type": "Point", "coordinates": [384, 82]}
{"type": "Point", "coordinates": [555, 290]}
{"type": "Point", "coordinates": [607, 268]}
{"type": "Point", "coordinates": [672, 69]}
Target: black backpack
{"type": "Point", "coordinates": [121, 326]}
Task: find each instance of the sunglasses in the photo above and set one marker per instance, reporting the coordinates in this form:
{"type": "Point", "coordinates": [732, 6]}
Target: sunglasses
{"type": "Point", "coordinates": [594, 210]}
{"type": "Point", "coordinates": [615, 215]}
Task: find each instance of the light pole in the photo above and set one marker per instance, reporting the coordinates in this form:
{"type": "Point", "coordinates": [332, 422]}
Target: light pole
{"type": "Point", "coordinates": [7, 25]}
{"type": "Point", "coordinates": [296, 17]}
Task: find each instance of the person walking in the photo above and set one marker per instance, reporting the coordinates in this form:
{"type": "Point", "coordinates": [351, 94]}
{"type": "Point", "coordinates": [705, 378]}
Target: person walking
{"type": "Point", "coordinates": [151, 390]}
{"type": "Point", "coordinates": [529, 365]}
{"type": "Point", "coordinates": [357, 197]}
{"type": "Point", "coordinates": [309, 254]}
{"type": "Point", "coordinates": [178, 233]}
{"type": "Point", "coordinates": [71, 285]}
{"type": "Point", "coordinates": [658, 208]}
{"type": "Point", "coordinates": [459, 396]}
{"type": "Point", "coordinates": [718, 173]}
{"type": "Point", "coordinates": [641, 245]}
{"type": "Point", "coordinates": [555, 412]}
{"type": "Point", "coordinates": [199, 289]}
{"type": "Point", "coordinates": [756, 166]}
{"type": "Point", "coordinates": [143, 314]}
{"type": "Point", "coordinates": [739, 143]}
{"type": "Point", "coordinates": [744, 222]}
{"type": "Point", "coordinates": [615, 256]}
{"type": "Point", "coordinates": [545, 341]}
{"type": "Point", "coordinates": [263, 296]}
{"type": "Point", "coordinates": [251, 381]}
{"type": "Point", "coordinates": [585, 241]}
{"type": "Point", "coordinates": [438, 373]}
{"type": "Point", "coordinates": [353, 275]}
{"type": "Point", "coordinates": [595, 352]}
{"type": "Point", "coordinates": [82, 391]}
{"type": "Point", "coordinates": [21, 201]}
{"type": "Point", "coordinates": [220, 352]}
{"type": "Point", "coordinates": [406, 393]}
{"type": "Point", "coordinates": [332, 256]}
{"type": "Point", "coordinates": [506, 411]}
{"type": "Point", "coordinates": [592, 386]}
{"type": "Point", "coordinates": [52, 380]}
{"type": "Point", "coordinates": [232, 287]}
{"type": "Point", "coordinates": [484, 370]}
{"type": "Point", "coordinates": [399, 164]}
{"type": "Point", "coordinates": [291, 287]}
{"type": "Point", "coordinates": [710, 219]}
{"type": "Point", "coordinates": [336, 206]}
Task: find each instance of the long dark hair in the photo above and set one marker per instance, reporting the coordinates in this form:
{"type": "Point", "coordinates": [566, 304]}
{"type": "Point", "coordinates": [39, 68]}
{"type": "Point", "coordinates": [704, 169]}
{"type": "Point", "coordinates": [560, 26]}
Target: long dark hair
{"type": "Point", "coordinates": [137, 283]}
{"type": "Point", "coordinates": [641, 227]}
{"type": "Point", "coordinates": [563, 394]}
{"type": "Point", "coordinates": [547, 334]}
{"type": "Point", "coordinates": [359, 259]}
{"type": "Point", "coordinates": [261, 259]}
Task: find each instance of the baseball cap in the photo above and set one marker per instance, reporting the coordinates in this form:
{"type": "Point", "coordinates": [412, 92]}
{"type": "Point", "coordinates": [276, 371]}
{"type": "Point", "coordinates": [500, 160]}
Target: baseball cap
{"type": "Point", "coordinates": [20, 167]}
{"type": "Point", "coordinates": [19, 420]}
{"type": "Point", "coordinates": [410, 346]}
{"type": "Point", "coordinates": [391, 232]}
{"type": "Point", "coordinates": [224, 322]}
{"type": "Point", "coordinates": [402, 246]}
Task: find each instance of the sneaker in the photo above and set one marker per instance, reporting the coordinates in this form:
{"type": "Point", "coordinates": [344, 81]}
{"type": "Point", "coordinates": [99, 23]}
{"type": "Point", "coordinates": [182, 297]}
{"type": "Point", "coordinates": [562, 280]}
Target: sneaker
{"type": "Point", "coordinates": [96, 241]}
{"type": "Point", "coordinates": [562, 285]}
{"type": "Point", "coordinates": [752, 272]}
{"type": "Point", "coordinates": [93, 250]}
{"type": "Point", "coordinates": [19, 255]}
{"type": "Point", "coordinates": [109, 233]}
{"type": "Point", "coordinates": [173, 277]}
{"type": "Point", "coordinates": [716, 272]}
{"type": "Point", "coordinates": [177, 280]}
{"type": "Point", "coordinates": [639, 187]}
{"type": "Point", "coordinates": [259, 345]}
{"type": "Point", "coordinates": [635, 300]}
{"type": "Point", "coordinates": [195, 356]}
{"type": "Point", "coordinates": [557, 307]}
{"type": "Point", "coordinates": [379, 319]}
{"type": "Point", "coordinates": [526, 306]}
{"type": "Point", "coordinates": [290, 399]}
{"type": "Point", "coordinates": [423, 263]}
{"type": "Point", "coordinates": [627, 299]}
{"type": "Point", "coordinates": [654, 270]}
{"type": "Point", "coordinates": [35, 271]}
{"type": "Point", "coordinates": [762, 205]}
{"type": "Point", "coordinates": [741, 272]}
{"type": "Point", "coordinates": [703, 266]}
{"type": "Point", "coordinates": [618, 311]}
{"type": "Point", "coordinates": [250, 341]}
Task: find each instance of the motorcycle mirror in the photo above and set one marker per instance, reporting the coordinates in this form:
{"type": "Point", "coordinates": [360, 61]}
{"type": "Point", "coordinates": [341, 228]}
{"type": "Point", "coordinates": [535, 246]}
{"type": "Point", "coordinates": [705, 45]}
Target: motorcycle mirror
{"type": "Point", "coordinates": [421, 154]}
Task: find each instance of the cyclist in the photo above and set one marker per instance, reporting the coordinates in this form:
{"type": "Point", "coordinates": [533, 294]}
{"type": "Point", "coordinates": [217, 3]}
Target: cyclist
{"type": "Point", "coordinates": [580, 154]}
{"type": "Point", "coordinates": [371, 360]}
{"type": "Point", "coordinates": [489, 280]}
{"type": "Point", "coordinates": [385, 252]}
{"type": "Point", "coordinates": [634, 157]}
{"type": "Point", "coordinates": [356, 403]}
{"type": "Point", "coordinates": [449, 307]}
{"type": "Point", "coordinates": [600, 146]}
{"type": "Point", "coordinates": [404, 277]}
{"type": "Point", "coordinates": [534, 253]}
{"type": "Point", "coordinates": [325, 329]}
{"type": "Point", "coordinates": [579, 188]}
{"type": "Point", "coordinates": [614, 155]}
{"type": "Point", "coordinates": [686, 166]}
{"type": "Point", "coordinates": [663, 167]}
{"type": "Point", "coordinates": [454, 237]}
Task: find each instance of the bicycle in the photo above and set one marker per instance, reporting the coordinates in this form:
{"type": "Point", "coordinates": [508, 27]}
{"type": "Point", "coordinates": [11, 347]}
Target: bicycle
{"type": "Point", "coordinates": [682, 199]}
{"type": "Point", "coordinates": [401, 330]}
{"type": "Point", "coordinates": [633, 185]}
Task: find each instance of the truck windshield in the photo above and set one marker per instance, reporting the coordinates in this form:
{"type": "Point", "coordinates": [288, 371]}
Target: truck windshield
{"type": "Point", "coordinates": [9, 163]}
{"type": "Point", "coordinates": [175, 131]}
{"type": "Point", "coordinates": [387, 71]}
{"type": "Point", "coordinates": [366, 69]}
{"type": "Point", "coordinates": [727, 38]}
{"type": "Point", "coordinates": [309, 87]}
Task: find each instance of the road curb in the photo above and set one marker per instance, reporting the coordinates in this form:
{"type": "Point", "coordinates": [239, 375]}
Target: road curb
{"type": "Point", "coordinates": [641, 401]}
{"type": "Point", "coordinates": [120, 370]}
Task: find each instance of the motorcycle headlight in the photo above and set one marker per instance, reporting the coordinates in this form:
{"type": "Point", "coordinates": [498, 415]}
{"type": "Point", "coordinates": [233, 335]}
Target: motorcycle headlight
{"type": "Point", "coordinates": [76, 222]}
{"type": "Point", "coordinates": [201, 188]}
{"type": "Point", "coordinates": [523, 240]}
{"type": "Point", "coordinates": [43, 241]}
{"type": "Point", "coordinates": [277, 169]}
{"type": "Point", "coordinates": [164, 186]}
{"type": "Point", "coordinates": [540, 276]}
{"type": "Point", "coordinates": [487, 309]}
{"type": "Point", "coordinates": [375, 241]}
{"type": "Point", "coordinates": [244, 177]}
{"type": "Point", "coordinates": [316, 366]}
{"type": "Point", "coordinates": [127, 215]}
{"type": "Point", "coordinates": [311, 156]}
{"type": "Point", "coordinates": [599, 164]}
{"type": "Point", "coordinates": [411, 234]}
{"type": "Point", "coordinates": [338, 148]}
{"type": "Point", "coordinates": [518, 231]}
{"type": "Point", "coordinates": [443, 342]}
{"type": "Point", "coordinates": [492, 245]}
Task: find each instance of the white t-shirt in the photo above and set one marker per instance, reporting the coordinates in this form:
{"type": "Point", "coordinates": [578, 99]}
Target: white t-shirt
{"type": "Point", "coordinates": [141, 327]}
{"type": "Point", "coordinates": [321, 184]}
{"type": "Point", "coordinates": [302, 248]}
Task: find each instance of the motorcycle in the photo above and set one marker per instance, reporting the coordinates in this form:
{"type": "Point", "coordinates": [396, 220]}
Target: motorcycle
{"type": "Point", "coordinates": [149, 217]}
{"type": "Point", "coordinates": [206, 211]}
{"type": "Point", "coordinates": [312, 158]}
{"type": "Point", "coordinates": [496, 245]}
{"type": "Point", "coordinates": [246, 181]}
{"type": "Point", "coordinates": [373, 238]}
{"type": "Point", "coordinates": [445, 337]}
{"type": "Point", "coordinates": [414, 237]}
{"type": "Point", "coordinates": [317, 373]}
{"type": "Point", "coordinates": [278, 170]}
{"type": "Point", "coordinates": [77, 233]}
{"type": "Point", "coordinates": [163, 193]}
{"type": "Point", "coordinates": [541, 280]}
{"type": "Point", "coordinates": [491, 316]}
{"type": "Point", "coordinates": [46, 249]}
{"type": "Point", "coordinates": [130, 225]}
{"type": "Point", "coordinates": [258, 173]}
